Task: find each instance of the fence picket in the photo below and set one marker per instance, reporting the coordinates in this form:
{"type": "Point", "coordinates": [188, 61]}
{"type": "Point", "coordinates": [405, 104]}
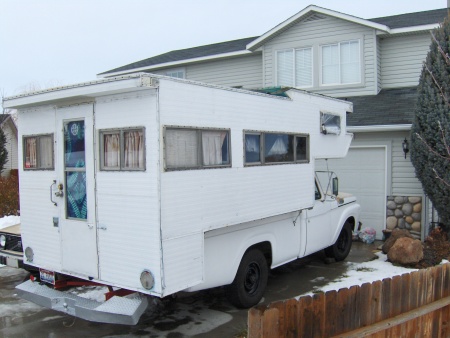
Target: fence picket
{"type": "Point", "coordinates": [415, 304]}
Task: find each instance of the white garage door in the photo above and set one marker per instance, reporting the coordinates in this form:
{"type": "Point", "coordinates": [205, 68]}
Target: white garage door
{"type": "Point", "coordinates": [363, 173]}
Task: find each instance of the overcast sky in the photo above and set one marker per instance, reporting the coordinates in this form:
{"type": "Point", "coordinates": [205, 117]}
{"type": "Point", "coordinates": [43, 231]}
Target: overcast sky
{"type": "Point", "coordinates": [56, 42]}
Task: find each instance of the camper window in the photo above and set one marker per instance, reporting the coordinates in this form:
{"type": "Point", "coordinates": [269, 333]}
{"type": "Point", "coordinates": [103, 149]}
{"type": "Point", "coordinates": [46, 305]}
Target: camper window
{"type": "Point", "coordinates": [330, 124]}
{"type": "Point", "coordinates": [38, 152]}
{"type": "Point", "coordinates": [122, 149]}
{"type": "Point", "coordinates": [192, 148]}
{"type": "Point", "coordinates": [278, 148]}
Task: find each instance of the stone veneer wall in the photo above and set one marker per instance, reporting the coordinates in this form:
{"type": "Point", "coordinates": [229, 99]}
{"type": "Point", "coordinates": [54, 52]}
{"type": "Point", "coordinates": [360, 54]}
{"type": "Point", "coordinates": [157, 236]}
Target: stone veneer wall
{"type": "Point", "coordinates": [404, 212]}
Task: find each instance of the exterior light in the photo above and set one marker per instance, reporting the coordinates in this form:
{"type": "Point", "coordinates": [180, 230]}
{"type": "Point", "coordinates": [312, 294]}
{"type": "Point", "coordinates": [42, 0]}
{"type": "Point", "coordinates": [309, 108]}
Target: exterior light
{"type": "Point", "coordinates": [29, 254]}
{"type": "Point", "coordinates": [147, 280]}
{"type": "Point", "coordinates": [405, 146]}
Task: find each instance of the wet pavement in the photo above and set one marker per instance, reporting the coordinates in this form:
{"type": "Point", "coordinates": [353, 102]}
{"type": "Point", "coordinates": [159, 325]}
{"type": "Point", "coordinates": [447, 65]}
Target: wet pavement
{"type": "Point", "coordinates": [201, 314]}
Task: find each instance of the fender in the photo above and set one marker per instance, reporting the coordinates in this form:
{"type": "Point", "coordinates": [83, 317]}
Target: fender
{"type": "Point", "coordinates": [351, 211]}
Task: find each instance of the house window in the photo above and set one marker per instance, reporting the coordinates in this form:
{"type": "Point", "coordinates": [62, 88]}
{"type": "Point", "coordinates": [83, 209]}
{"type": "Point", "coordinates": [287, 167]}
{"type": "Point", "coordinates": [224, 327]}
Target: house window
{"type": "Point", "coordinates": [178, 73]}
{"type": "Point", "coordinates": [341, 63]}
{"type": "Point", "coordinates": [122, 149]}
{"type": "Point", "coordinates": [193, 148]}
{"type": "Point", "coordinates": [267, 148]}
{"type": "Point", "coordinates": [38, 152]}
{"type": "Point", "coordinates": [294, 67]}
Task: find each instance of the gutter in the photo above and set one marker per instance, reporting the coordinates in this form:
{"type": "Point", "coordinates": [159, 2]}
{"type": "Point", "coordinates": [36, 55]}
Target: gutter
{"type": "Point", "coordinates": [377, 128]}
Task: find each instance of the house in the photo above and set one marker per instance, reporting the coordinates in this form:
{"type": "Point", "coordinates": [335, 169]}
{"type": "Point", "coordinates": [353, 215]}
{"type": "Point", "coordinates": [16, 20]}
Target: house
{"type": "Point", "coordinates": [9, 128]}
{"type": "Point", "coordinates": [375, 63]}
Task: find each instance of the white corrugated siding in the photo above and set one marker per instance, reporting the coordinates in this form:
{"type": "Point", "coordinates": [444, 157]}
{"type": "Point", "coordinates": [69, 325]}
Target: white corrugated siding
{"type": "Point", "coordinates": [319, 32]}
{"type": "Point", "coordinates": [197, 200]}
{"type": "Point", "coordinates": [36, 209]}
{"type": "Point", "coordinates": [128, 202]}
{"type": "Point", "coordinates": [244, 71]}
{"type": "Point", "coordinates": [402, 58]}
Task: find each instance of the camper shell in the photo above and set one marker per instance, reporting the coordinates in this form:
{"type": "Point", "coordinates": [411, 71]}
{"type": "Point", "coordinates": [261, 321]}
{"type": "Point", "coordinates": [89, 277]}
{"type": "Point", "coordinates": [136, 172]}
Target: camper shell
{"type": "Point", "coordinates": [158, 185]}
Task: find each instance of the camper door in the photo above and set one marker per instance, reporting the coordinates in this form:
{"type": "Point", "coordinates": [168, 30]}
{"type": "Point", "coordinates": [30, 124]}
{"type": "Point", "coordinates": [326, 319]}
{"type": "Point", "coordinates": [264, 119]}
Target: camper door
{"type": "Point", "coordinates": [75, 190]}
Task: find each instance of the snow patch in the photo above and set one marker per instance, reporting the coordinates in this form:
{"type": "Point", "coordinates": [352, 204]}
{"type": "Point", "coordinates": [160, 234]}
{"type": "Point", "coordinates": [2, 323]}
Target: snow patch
{"type": "Point", "coordinates": [360, 273]}
{"type": "Point", "coordinates": [8, 221]}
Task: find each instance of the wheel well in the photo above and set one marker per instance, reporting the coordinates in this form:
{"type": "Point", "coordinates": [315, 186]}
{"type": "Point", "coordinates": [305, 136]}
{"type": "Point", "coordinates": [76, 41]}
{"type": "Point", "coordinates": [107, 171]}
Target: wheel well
{"type": "Point", "coordinates": [351, 221]}
{"type": "Point", "coordinates": [265, 248]}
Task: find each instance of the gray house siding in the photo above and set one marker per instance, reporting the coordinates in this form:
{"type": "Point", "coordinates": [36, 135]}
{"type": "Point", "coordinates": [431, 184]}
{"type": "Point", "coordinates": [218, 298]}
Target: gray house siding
{"type": "Point", "coordinates": [324, 30]}
{"type": "Point", "coordinates": [244, 71]}
{"type": "Point", "coordinates": [402, 58]}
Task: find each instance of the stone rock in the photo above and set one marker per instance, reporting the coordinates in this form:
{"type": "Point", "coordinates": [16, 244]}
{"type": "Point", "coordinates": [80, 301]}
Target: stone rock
{"type": "Point", "coordinates": [390, 198]}
{"type": "Point", "coordinates": [407, 209]}
{"type": "Point", "coordinates": [408, 226]}
{"type": "Point", "coordinates": [391, 222]}
{"type": "Point", "coordinates": [395, 234]}
{"type": "Point", "coordinates": [391, 205]}
{"type": "Point", "coordinates": [401, 223]}
{"type": "Point", "coordinates": [389, 212]}
{"type": "Point", "coordinates": [400, 199]}
{"type": "Point", "coordinates": [417, 207]}
{"type": "Point", "coordinates": [398, 213]}
{"type": "Point", "coordinates": [416, 226]}
{"type": "Point", "coordinates": [416, 216]}
{"type": "Point", "coordinates": [414, 199]}
{"type": "Point", "coordinates": [406, 251]}
{"type": "Point", "coordinates": [409, 219]}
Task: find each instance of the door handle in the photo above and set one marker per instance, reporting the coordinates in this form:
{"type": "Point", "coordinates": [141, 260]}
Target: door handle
{"type": "Point", "coordinates": [51, 193]}
{"type": "Point", "coordinates": [90, 226]}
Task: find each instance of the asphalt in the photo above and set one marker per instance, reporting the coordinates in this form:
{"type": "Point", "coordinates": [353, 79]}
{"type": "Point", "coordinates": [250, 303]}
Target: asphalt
{"type": "Point", "coordinates": [201, 314]}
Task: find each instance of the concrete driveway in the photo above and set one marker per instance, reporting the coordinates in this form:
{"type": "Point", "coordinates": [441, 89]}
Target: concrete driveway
{"type": "Point", "coordinates": [200, 314]}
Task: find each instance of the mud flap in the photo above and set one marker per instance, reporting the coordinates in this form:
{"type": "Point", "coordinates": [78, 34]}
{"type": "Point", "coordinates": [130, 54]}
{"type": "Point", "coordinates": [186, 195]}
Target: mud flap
{"type": "Point", "coordinates": [117, 310]}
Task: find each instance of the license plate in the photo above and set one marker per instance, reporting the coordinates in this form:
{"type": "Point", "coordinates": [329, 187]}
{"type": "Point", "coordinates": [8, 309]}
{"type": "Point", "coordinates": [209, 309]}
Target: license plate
{"type": "Point", "coordinates": [47, 276]}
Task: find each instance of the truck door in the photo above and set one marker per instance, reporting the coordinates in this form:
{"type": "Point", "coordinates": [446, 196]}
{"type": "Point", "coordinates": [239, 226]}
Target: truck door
{"type": "Point", "coordinates": [318, 228]}
{"type": "Point", "coordinates": [75, 187]}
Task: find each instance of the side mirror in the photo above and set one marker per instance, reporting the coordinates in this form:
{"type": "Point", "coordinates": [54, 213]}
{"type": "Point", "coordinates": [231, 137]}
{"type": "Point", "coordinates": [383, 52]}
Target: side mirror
{"type": "Point", "coordinates": [335, 186]}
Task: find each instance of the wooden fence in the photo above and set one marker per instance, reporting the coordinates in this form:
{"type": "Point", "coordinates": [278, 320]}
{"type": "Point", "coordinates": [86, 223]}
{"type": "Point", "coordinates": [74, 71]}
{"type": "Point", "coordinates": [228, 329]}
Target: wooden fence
{"type": "Point", "coordinates": [412, 305]}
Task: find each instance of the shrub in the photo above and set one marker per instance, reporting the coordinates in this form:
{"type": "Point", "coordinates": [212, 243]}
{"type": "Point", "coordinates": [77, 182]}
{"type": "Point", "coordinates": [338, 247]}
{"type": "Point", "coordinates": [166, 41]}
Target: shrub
{"type": "Point", "coordinates": [9, 196]}
{"type": "Point", "coordinates": [430, 141]}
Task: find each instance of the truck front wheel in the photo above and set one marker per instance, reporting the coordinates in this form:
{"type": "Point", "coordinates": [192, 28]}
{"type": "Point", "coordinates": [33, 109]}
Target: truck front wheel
{"type": "Point", "coordinates": [250, 282]}
{"type": "Point", "coordinates": [340, 250]}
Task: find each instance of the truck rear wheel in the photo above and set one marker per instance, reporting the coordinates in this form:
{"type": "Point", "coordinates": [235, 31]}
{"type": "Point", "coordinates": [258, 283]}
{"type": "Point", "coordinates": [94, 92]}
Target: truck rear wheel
{"type": "Point", "coordinates": [340, 250]}
{"type": "Point", "coordinates": [250, 282]}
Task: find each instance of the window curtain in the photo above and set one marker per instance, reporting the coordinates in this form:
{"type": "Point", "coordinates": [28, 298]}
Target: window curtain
{"type": "Point", "coordinates": [303, 67]}
{"type": "Point", "coordinates": [330, 64]}
{"type": "Point", "coordinates": [111, 153]}
{"type": "Point", "coordinates": [285, 68]}
{"type": "Point", "coordinates": [31, 153]}
{"type": "Point", "coordinates": [133, 149]}
{"type": "Point", "coordinates": [46, 152]}
{"type": "Point", "coordinates": [212, 142]}
{"type": "Point", "coordinates": [350, 62]}
{"type": "Point", "coordinates": [252, 148]}
{"type": "Point", "coordinates": [181, 148]}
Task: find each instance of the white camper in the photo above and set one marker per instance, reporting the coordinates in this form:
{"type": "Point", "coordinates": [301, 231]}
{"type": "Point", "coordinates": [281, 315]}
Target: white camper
{"type": "Point", "coordinates": [156, 185]}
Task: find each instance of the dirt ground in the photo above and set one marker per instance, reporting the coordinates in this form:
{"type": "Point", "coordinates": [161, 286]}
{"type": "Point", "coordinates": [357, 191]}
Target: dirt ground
{"type": "Point", "coordinates": [435, 248]}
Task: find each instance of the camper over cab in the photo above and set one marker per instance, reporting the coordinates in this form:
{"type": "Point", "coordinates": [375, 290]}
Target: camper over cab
{"type": "Point", "coordinates": [154, 185]}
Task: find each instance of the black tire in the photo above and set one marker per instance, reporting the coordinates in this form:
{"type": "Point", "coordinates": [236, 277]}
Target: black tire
{"type": "Point", "coordinates": [250, 282]}
{"type": "Point", "coordinates": [340, 250]}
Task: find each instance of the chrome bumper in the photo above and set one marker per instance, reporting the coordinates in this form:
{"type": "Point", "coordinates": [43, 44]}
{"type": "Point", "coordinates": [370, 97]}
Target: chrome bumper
{"type": "Point", "coordinates": [117, 310]}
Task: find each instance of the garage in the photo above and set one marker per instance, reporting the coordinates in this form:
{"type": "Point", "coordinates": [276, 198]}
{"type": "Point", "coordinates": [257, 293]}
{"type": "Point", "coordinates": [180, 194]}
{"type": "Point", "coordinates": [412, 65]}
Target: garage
{"type": "Point", "coordinates": [363, 173]}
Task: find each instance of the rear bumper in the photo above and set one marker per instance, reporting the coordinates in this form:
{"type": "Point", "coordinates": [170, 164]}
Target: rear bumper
{"type": "Point", "coordinates": [117, 310]}
{"type": "Point", "coordinates": [11, 259]}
